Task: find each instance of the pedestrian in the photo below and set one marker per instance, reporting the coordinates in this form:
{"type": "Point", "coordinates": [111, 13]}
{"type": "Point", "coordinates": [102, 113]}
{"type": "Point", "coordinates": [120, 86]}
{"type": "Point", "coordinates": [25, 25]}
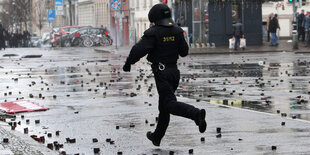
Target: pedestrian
{"type": "Point", "coordinates": [237, 32]}
{"type": "Point", "coordinates": [2, 37]}
{"type": "Point", "coordinates": [301, 29]}
{"type": "Point", "coordinates": [306, 25]}
{"type": "Point", "coordinates": [164, 43]}
{"type": "Point", "coordinates": [181, 21]}
{"type": "Point", "coordinates": [273, 26]}
{"type": "Point", "coordinates": [267, 26]}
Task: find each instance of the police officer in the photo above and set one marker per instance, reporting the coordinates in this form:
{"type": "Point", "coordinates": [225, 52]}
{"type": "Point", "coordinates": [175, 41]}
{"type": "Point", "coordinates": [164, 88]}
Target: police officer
{"type": "Point", "coordinates": [164, 43]}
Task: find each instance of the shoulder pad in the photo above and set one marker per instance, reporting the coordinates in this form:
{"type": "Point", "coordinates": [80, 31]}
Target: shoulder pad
{"type": "Point", "coordinates": [151, 31]}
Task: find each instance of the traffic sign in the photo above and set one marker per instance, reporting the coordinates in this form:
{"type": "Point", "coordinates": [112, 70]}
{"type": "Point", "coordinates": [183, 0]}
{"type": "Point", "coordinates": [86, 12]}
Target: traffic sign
{"type": "Point", "coordinates": [58, 2]}
{"type": "Point", "coordinates": [51, 15]}
{"type": "Point", "coordinates": [116, 4]}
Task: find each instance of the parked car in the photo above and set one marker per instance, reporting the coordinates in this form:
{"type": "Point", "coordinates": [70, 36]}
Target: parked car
{"type": "Point", "coordinates": [62, 31]}
{"type": "Point", "coordinates": [88, 37]}
{"type": "Point", "coordinates": [35, 42]}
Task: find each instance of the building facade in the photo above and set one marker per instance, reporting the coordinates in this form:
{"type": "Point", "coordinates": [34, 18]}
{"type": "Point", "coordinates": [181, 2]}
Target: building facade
{"type": "Point", "coordinates": [86, 12]}
{"type": "Point", "coordinates": [102, 13]}
{"type": "Point", "coordinates": [284, 10]}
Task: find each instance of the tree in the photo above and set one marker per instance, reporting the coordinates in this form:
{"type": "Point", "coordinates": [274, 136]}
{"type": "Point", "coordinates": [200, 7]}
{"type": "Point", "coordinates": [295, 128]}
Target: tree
{"type": "Point", "coordinates": [18, 13]}
{"type": "Point", "coordinates": [40, 10]}
{"type": "Point", "coordinates": [70, 12]}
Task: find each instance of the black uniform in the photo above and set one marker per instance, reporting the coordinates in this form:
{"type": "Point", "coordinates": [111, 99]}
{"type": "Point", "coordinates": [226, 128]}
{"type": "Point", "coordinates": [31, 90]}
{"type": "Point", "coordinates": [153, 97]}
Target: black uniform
{"type": "Point", "coordinates": [163, 44]}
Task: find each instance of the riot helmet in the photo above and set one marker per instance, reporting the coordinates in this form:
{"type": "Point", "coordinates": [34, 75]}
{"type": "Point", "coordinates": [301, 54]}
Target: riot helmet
{"type": "Point", "coordinates": [160, 14]}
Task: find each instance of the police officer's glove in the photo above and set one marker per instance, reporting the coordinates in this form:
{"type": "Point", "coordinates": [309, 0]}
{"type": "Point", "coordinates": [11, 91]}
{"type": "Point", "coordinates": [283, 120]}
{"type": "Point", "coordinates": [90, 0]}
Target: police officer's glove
{"type": "Point", "coordinates": [126, 67]}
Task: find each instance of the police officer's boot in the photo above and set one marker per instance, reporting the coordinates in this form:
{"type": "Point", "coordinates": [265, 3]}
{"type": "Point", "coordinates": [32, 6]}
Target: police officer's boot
{"type": "Point", "coordinates": [153, 138]}
{"type": "Point", "coordinates": [200, 121]}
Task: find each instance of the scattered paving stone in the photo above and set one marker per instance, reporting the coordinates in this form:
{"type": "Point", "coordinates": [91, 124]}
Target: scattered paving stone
{"type": "Point", "coordinates": [202, 139]}
{"type": "Point", "coordinates": [25, 130]}
{"type": "Point", "coordinates": [218, 130]}
{"type": "Point", "coordinates": [283, 114]}
{"type": "Point", "coordinates": [96, 150]}
{"type": "Point", "coordinates": [5, 140]}
{"type": "Point", "coordinates": [191, 151]}
{"type": "Point", "coordinates": [273, 147]}
{"type": "Point", "coordinates": [95, 140]}
{"type": "Point", "coordinates": [50, 146]}
{"type": "Point", "coordinates": [219, 135]}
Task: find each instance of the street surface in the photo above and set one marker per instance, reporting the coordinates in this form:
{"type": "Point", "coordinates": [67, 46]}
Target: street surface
{"type": "Point", "coordinates": [94, 104]}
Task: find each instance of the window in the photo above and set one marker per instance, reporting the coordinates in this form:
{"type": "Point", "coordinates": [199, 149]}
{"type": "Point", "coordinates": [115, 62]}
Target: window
{"type": "Point", "coordinates": [83, 31]}
{"type": "Point", "coordinates": [137, 4]}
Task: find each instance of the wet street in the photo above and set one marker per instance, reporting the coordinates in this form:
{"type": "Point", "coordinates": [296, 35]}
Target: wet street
{"type": "Point", "coordinates": [260, 102]}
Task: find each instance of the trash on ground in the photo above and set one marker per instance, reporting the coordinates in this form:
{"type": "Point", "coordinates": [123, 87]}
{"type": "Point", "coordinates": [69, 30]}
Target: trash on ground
{"type": "Point", "coordinates": [20, 106]}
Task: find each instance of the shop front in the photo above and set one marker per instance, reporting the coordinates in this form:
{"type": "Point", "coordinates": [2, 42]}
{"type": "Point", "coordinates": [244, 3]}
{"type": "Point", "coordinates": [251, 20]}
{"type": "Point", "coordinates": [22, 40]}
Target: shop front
{"type": "Point", "coordinates": [211, 21]}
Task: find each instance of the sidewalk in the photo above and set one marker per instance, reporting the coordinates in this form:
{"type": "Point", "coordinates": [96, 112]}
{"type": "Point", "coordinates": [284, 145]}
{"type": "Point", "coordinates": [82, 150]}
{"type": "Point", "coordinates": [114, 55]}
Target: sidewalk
{"type": "Point", "coordinates": [284, 46]}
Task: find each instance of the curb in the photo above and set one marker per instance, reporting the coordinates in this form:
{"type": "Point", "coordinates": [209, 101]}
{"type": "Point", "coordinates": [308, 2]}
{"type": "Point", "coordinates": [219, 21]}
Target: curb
{"type": "Point", "coordinates": [103, 50]}
{"type": "Point", "coordinates": [238, 52]}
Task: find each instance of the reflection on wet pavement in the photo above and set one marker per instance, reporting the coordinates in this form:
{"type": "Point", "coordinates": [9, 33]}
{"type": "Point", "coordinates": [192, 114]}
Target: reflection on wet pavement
{"type": "Point", "coordinates": [266, 82]}
{"type": "Point", "coordinates": [90, 97]}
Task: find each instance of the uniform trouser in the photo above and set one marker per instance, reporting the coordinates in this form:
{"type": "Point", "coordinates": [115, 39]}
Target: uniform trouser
{"type": "Point", "coordinates": [167, 82]}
